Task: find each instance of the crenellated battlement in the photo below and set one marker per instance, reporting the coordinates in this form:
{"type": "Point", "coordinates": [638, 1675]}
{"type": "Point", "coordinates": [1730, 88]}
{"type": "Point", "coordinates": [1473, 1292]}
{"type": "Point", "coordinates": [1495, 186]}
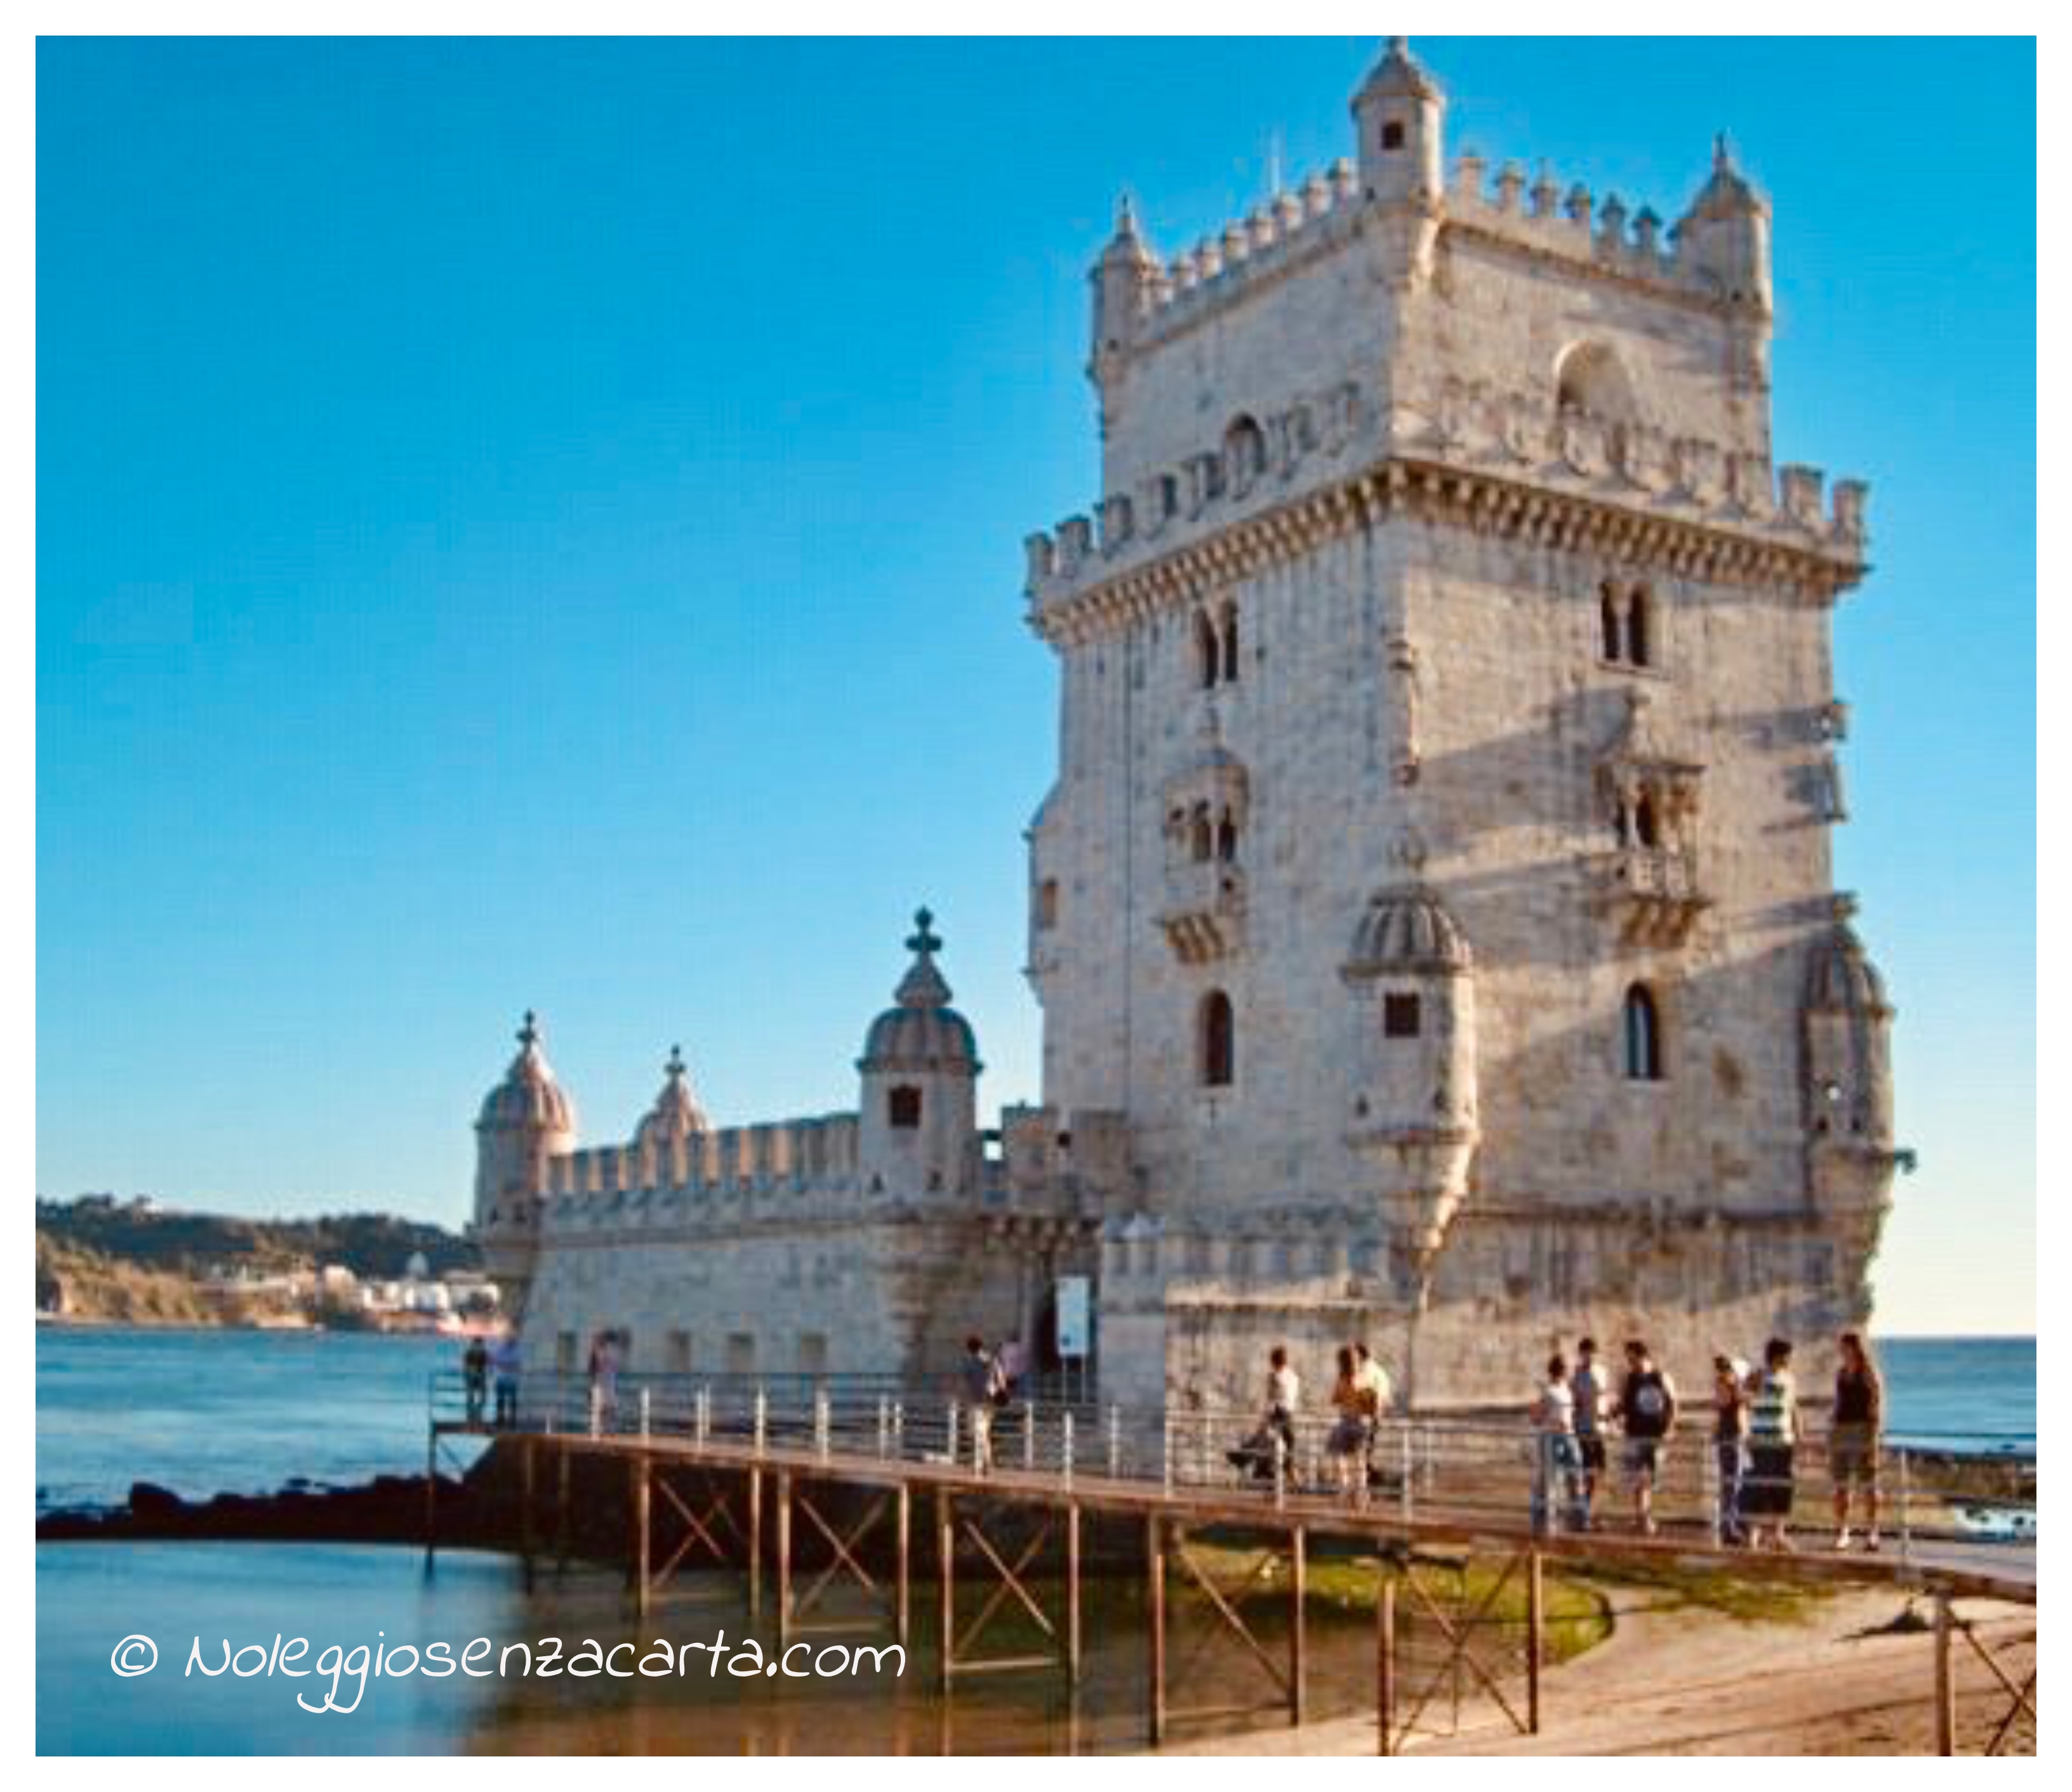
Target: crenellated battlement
{"type": "Point", "coordinates": [1291, 227]}
{"type": "Point", "coordinates": [1277, 475]}
{"type": "Point", "coordinates": [1603, 238]}
{"type": "Point", "coordinates": [780, 1157]}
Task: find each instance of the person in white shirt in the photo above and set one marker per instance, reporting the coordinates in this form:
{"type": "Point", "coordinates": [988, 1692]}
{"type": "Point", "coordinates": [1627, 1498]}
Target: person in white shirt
{"type": "Point", "coordinates": [1555, 1489]}
{"type": "Point", "coordinates": [1284, 1395]}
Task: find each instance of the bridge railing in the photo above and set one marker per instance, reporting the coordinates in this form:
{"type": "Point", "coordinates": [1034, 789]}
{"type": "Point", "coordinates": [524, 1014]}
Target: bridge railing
{"type": "Point", "coordinates": [1977, 1487]}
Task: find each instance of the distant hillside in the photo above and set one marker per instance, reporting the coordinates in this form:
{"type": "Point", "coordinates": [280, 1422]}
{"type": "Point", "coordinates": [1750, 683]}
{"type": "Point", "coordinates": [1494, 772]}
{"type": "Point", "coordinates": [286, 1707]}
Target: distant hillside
{"type": "Point", "coordinates": [162, 1241]}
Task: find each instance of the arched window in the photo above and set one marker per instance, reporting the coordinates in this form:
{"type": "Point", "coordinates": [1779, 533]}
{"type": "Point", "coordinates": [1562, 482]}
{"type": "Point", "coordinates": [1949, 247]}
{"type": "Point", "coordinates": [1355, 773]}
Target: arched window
{"type": "Point", "coordinates": [1202, 835]}
{"type": "Point", "coordinates": [1646, 830]}
{"type": "Point", "coordinates": [902, 1106]}
{"type": "Point", "coordinates": [1208, 651]}
{"type": "Point", "coordinates": [1230, 643]}
{"type": "Point", "coordinates": [1638, 643]}
{"type": "Point", "coordinates": [1608, 623]}
{"type": "Point", "coordinates": [1217, 1044]}
{"type": "Point", "coordinates": [1643, 1036]}
{"type": "Point", "coordinates": [1245, 454]}
{"type": "Point", "coordinates": [1589, 378]}
{"type": "Point", "coordinates": [1226, 838]}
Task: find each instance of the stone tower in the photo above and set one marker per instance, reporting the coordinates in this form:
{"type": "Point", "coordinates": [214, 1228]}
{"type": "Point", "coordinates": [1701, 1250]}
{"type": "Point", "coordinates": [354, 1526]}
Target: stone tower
{"type": "Point", "coordinates": [917, 1131]}
{"type": "Point", "coordinates": [525, 1120]}
{"type": "Point", "coordinates": [1435, 896]}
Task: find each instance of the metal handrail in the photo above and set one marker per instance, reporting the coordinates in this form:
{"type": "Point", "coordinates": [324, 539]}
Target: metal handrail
{"type": "Point", "coordinates": [1415, 1465]}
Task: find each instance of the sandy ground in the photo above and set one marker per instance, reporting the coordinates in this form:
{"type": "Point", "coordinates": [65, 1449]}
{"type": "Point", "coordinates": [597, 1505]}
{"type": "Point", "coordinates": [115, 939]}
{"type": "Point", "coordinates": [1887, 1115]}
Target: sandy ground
{"type": "Point", "coordinates": [1694, 1683]}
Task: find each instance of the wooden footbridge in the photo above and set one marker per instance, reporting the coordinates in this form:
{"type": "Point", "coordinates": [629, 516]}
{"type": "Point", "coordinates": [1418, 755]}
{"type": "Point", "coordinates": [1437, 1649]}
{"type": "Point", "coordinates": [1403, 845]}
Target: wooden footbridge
{"type": "Point", "coordinates": [879, 1498]}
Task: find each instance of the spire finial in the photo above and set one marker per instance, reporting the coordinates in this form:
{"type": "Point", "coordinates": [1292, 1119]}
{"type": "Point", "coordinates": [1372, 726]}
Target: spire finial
{"type": "Point", "coordinates": [1399, 47]}
{"type": "Point", "coordinates": [529, 1034]}
{"type": "Point", "coordinates": [674, 1069]}
{"type": "Point", "coordinates": [923, 940]}
{"type": "Point", "coordinates": [1723, 155]}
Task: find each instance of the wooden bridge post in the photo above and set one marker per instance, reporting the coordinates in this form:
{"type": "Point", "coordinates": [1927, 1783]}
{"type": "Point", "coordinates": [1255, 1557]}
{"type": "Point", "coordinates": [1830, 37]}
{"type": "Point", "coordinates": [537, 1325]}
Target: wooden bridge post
{"type": "Point", "coordinates": [784, 1560]}
{"type": "Point", "coordinates": [754, 1545]}
{"type": "Point", "coordinates": [902, 1605]}
{"type": "Point", "coordinates": [1073, 1653]}
{"type": "Point", "coordinates": [1154, 1621]}
{"type": "Point", "coordinates": [1298, 1580]}
{"type": "Point", "coordinates": [562, 1470]}
{"type": "Point", "coordinates": [1945, 1688]}
{"type": "Point", "coordinates": [945, 1586]}
{"type": "Point", "coordinates": [527, 1470]}
{"type": "Point", "coordinates": [1384, 1658]}
{"type": "Point", "coordinates": [431, 1495]}
{"type": "Point", "coordinates": [637, 1557]}
{"type": "Point", "coordinates": [1536, 1634]}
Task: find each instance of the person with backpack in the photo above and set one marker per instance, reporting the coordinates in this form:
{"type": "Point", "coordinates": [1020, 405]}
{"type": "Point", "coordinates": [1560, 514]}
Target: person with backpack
{"type": "Point", "coordinates": [1772, 1437]}
{"type": "Point", "coordinates": [1647, 1414]}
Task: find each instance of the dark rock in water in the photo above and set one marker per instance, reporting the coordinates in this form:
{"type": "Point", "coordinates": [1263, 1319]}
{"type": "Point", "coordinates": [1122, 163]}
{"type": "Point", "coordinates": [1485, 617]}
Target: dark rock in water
{"type": "Point", "coordinates": [148, 1500]}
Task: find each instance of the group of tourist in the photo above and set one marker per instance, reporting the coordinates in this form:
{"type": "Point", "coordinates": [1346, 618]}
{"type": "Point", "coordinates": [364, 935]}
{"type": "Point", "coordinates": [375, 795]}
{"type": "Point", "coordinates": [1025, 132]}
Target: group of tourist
{"type": "Point", "coordinates": [479, 1362]}
{"type": "Point", "coordinates": [1360, 1397]}
{"type": "Point", "coordinates": [1757, 1430]}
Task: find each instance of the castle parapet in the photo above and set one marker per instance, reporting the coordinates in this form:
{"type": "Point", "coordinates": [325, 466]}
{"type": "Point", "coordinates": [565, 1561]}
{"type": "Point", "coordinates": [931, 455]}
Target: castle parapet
{"type": "Point", "coordinates": [1267, 466]}
{"type": "Point", "coordinates": [740, 1164]}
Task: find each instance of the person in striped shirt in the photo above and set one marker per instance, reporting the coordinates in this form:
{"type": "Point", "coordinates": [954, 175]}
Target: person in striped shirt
{"type": "Point", "coordinates": [1772, 1435]}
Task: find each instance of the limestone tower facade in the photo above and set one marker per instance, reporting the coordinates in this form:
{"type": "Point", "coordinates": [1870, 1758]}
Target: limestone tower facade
{"type": "Point", "coordinates": [1435, 896]}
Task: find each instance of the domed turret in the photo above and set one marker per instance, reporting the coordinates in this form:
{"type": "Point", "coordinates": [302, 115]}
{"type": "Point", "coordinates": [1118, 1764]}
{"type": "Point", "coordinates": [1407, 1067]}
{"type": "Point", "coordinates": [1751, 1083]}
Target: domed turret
{"type": "Point", "coordinates": [665, 1132]}
{"type": "Point", "coordinates": [1414, 1117]}
{"type": "Point", "coordinates": [1122, 282]}
{"type": "Point", "coordinates": [918, 1133]}
{"type": "Point", "coordinates": [526, 1120]}
{"type": "Point", "coordinates": [1725, 234]}
{"type": "Point", "coordinates": [1399, 114]}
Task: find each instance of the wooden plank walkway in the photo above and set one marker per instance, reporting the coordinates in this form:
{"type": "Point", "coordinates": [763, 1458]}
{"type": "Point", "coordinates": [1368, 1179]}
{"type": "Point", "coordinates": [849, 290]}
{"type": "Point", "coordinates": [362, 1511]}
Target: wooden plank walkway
{"type": "Point", "coordinates": [744, 1503]}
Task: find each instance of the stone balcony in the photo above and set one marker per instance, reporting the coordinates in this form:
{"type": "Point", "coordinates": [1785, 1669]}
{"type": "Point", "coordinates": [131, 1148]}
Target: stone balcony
{"type": "Point", "coordinates": [1653, 893]}
{"type": "Point", "coordinates": [1204, 916]}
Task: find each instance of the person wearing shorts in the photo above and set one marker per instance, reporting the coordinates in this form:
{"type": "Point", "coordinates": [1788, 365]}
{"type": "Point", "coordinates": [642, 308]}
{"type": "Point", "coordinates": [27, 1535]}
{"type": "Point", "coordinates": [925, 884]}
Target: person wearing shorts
{"type": "Point", "coordinates": [1853, 1443]}
{"type": "Point", "coordinates": [1588, 1385]}
{"type": "Point", "coordinates": [1647, 1413]}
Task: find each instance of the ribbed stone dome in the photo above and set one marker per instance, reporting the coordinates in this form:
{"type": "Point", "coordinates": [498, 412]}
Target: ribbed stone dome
{"type": "Point", "coordinates": [924, 1032]}
{"type": "Point", "coordinates": [1399, 73]}
{"type": "Point", "coordinates": [1407, 929]}
{"type": "Point", "coordinates": [529, 1095]}
{"type": "Point", "coordinates": [676, 1115]}
{"type": "Point", "coordinates": [1842, 980]}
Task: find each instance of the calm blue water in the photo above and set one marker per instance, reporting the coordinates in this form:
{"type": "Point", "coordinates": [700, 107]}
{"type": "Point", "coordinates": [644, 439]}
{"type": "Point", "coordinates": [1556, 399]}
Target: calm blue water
{"type": "Point", "coordinates": [208, 1412]}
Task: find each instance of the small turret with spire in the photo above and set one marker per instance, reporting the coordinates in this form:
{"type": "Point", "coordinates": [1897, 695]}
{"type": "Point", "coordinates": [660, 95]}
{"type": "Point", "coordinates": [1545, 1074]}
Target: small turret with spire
{"type": "Point", "coordinates": [1400, 114]}
{"type": "Point", "coordinates": [1725, 235]}
{"type": "Point", "coordinates": [918, 1126]}
{"type": "Point", "coordinates": [1123, 281]}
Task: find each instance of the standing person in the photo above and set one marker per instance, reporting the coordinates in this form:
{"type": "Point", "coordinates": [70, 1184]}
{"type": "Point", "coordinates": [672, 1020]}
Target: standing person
{"type": "Point", "coordinates": [1284, 1395]}
{"type": "Point", "coordinates": [475, 1374]}
{"type": "Point", "coordinates": [503, 1362]}
{"type": "Point", "coordinates": [1772, 1435]}
{"type": "Point", "coordinates": [1853, 1444]}
{"type": "Point", "coordinates": [1376, 1396]}
{"type": "Point", "coordinates": [982, 1385]}
{"type": "Point", "coordinates": [1729, 1443]}
{"type": "Point", "coordinates": [1647, 1414]}
{"type": "Point", "coordinates": [1592, 1394]}
{"type": "Point", "coordinates": [1353, 1436]}
{"type": "Point", "coordinates": [1556, 1497]}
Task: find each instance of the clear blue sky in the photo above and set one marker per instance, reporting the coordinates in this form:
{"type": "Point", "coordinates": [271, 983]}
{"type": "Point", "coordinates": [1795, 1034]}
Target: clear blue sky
{"type": "Point", "coordinates": [537, 523]}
